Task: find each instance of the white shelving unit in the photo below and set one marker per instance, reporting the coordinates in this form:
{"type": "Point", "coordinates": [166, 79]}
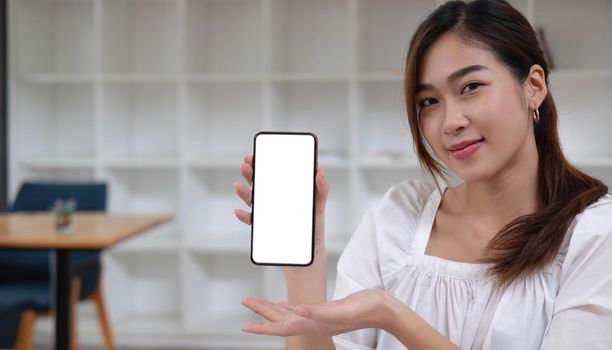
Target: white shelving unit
{"type": "Point", "coordinates": [161, 99]}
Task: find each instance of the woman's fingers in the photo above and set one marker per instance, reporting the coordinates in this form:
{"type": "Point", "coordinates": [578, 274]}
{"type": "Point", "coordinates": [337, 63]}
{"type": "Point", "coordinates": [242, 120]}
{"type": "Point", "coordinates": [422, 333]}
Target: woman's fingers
{"type": "Point", "coordinates": [243, 192]}
{"type": "Point", "coordinates": [243, 216]}
{"type": "Point", "coordinates": [285, 305]}
{"type": "Point", "coordinates": [266, 328]}
{"type": "Point", "coordinates": [291, 325]}
{"type": "Point", "coordinates": [264, 308]}
{"type": "Point", "coordinates": [322, 191]}
{"type": "Point", "coordinates": [333, 312]}
{"type": "Point", "coordinates": [246, 169]}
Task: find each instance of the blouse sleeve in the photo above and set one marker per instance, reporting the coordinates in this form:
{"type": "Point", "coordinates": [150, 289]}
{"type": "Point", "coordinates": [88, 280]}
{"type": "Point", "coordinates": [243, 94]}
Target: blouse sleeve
{"type": "Point", "coordinates": [582, 314]}
{"type": "Point", "coordinates": [358, 269]}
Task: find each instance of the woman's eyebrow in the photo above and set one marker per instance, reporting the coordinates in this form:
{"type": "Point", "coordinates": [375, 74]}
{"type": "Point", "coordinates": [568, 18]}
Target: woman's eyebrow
{"type": "Point", "coordinates": [459, 73]}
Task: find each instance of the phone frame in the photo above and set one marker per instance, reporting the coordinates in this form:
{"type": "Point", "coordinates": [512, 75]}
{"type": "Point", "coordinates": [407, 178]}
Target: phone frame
{"type": "Point", "coordinates": [314, 194]}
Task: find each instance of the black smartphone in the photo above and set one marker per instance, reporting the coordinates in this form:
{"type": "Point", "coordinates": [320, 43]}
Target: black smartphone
{"type": "Point", "coordinates": [283, 201]}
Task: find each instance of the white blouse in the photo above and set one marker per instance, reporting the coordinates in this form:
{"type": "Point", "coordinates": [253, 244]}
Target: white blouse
{"type": "Point", "coordinates": [568, 305]}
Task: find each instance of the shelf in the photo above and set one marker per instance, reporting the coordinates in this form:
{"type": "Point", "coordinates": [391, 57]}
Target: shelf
{"type": "Point", "coordinates": [209, 206]}
{"type": "Point", "coordinates": [316, 107]}
{"type": "Point", "coordinates": [580, 139]}
{"type": "Point", "coordinates": [238, 243]}
{"type": "Point", "coordinates": [338, 207]}
{"type": "Point", "coordinates": [218, 284]}
{"type": "Point", "coordinates": [147, 324]}
{"type": "Point", "coordinates": [332, 160]}
{"type": "Point", "coordinates": [572, 74]}
{"type": "Point", "coordinates": [58, 174]}
{"type": "Point", "coordinates": [139, 191]}
{"type": "Point", "coordinates": [223, 36]}
{"type": "Point", "coordinates": [384, 29]}
{"type": "Point", "coordinates": [47, 78]}
{"type": "Point", "coordinates": [389, 161]}
{"type": "Point", "coordinates": [585, 45]}
{"type": "Point", "coordinates": [140, 163]}
{"type": "Point", "coordinates": [222, 119]}
{"type": "Point", "coordinates": [309, 36]}
{"type": "Point", "coordinates": [228, 161]}
{"type": "Point", "coordinates": [57, 121]}
{"type": "Point", "coordinates": [140, 121]}
{"type": "Point", "coordinates": [392, 76]}
{"type": "Point", "coordinates": [140, 36]}
{"type": "Point", "coordinates": [141, 292]}
{"type": "Point", "coordinates": [55, 37]}
{"type": "Point", "coordinates": [309, 77]}
{"type": "Point", "coordinates": [60, 162]}
{"type": "Point", "coordinates": [224, 78]}
{"type": "Point", "coordinates": [383, 124]}
{"type": "Point", "coordinates": [134, 78]}
{"type": "Point", "coordinates": [164, 239]}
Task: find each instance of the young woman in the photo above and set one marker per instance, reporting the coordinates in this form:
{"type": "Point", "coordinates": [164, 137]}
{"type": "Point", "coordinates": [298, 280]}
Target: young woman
{"type": "Point", "coordinates": [516, 257]}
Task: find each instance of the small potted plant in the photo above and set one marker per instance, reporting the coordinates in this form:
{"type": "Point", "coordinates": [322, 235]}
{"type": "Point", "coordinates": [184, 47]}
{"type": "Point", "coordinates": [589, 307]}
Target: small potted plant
{"type": "Point", "coordinates": [63, 210]}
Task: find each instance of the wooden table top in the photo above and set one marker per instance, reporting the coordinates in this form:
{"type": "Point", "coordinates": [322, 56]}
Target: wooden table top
{"type": "Point", "coordinates": [91, 230]}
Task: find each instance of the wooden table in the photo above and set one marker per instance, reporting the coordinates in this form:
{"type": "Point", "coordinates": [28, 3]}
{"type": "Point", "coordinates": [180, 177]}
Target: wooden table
{"type": "Point", "coordinates": [91, 231]}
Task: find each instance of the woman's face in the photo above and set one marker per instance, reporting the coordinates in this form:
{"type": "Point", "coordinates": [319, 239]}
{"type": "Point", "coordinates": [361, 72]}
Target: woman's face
{"type": "Point", "coordinates": [466, 94]}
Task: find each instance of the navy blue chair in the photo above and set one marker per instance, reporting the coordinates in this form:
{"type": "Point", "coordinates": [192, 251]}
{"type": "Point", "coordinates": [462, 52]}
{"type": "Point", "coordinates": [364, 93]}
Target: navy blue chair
{"type": "Point", "coordinates": [25, 274]}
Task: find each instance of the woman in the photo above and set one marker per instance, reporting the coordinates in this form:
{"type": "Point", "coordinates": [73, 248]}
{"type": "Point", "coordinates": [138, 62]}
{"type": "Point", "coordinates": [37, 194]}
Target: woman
{"type": "Point", "coordinates": [516, 257]}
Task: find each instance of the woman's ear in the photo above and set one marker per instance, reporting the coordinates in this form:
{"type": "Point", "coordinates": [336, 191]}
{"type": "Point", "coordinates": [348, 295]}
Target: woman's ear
{"type": "Point", "coordinates": [535, 87]}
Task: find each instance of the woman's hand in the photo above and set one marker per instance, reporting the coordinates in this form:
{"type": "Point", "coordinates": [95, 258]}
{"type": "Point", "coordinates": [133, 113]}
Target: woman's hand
{"type": "Point", "coordinates": [369, 308]}
{"type": "Point", "coordinates": [244, 192]}
{"type": "Point", "coordinates": [319, 267]}
{"type": "Point", "coordinates": [305, 285]}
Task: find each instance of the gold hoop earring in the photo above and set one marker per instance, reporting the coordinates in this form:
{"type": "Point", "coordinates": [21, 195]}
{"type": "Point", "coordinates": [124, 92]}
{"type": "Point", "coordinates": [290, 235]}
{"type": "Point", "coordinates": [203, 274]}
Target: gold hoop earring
{"type": "Point", "coordinates": [536, 115]}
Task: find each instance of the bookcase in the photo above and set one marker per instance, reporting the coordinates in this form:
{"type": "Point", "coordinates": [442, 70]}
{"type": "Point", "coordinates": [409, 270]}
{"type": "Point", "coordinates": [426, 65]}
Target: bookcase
{"type": "Point", "coordinates": [161, 99]}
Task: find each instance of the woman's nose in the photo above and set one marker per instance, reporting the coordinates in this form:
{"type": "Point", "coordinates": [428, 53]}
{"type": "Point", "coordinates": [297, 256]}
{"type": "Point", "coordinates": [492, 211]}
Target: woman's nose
{"type": "Point", "coordinates": [454, 119]}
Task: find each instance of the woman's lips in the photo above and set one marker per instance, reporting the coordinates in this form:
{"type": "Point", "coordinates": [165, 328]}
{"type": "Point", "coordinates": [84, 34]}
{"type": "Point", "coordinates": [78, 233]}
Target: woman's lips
{"type": "Point", "coordinates": [467, 151]}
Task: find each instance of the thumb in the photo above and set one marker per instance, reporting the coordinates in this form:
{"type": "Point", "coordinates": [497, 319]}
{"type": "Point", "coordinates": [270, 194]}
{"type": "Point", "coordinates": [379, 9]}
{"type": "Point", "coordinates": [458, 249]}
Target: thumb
{"type": "Point", "coordinates": [322, 191]}
{"type": "Point", "coordinates": [328, 312]}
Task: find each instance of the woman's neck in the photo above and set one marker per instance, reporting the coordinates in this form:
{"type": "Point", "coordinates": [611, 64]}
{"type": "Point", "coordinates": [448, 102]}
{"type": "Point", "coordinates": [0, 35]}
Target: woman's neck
{"type": "Point", "coordinates": [502, 198]}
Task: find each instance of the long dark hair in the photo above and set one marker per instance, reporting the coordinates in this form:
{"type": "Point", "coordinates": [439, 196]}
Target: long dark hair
{"type": "Point", "coordinates": [529, 242]}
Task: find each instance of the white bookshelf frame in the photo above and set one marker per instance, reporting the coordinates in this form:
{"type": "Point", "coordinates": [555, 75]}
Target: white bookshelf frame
{"type": "Point", "coordinates": [161, 99]}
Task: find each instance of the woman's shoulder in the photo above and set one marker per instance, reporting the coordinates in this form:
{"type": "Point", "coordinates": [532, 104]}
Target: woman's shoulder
{"type": "Point", "coordinates": [585, 280]}
{"type": "Point", "coordinates": [596, 218]}
{"type": "Point", "coordinates": [397, 215]}
{"type": "Point", "coordinates": [409, 196]}
{"type": "Point", "coordinates": [591, 233]}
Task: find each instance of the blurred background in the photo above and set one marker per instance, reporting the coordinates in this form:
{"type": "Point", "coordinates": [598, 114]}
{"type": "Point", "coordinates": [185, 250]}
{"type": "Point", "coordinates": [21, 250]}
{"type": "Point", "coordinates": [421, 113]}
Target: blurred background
{"type": "Point", "coordinates": [160, 100]}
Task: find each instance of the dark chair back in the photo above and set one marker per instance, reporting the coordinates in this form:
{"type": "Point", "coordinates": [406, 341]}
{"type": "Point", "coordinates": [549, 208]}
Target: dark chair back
{"type": "Point", "coordinates": [40, 196]}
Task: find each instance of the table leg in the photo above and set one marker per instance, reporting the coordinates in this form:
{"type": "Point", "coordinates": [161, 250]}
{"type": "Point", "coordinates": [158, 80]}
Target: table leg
{"type": "Point", "coordinates": [61, 290]}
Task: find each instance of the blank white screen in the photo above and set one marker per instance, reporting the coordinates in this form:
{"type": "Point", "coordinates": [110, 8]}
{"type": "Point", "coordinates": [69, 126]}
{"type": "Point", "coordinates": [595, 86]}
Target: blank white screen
{"type": "Point", "coordinates": [283, 199]}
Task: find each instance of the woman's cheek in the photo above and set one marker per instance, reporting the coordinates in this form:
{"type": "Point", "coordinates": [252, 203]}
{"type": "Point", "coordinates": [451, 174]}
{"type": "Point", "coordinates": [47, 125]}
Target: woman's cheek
{"type": "Point", "coordinates": [431, 128]}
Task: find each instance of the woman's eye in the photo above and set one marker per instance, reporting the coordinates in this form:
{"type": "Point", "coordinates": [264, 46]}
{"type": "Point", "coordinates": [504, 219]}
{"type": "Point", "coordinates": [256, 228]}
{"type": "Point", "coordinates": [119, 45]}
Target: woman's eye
{"type": "Point", "coordinates": [427, 102]}
{"type": "Point", "coordinates": [470, 87]}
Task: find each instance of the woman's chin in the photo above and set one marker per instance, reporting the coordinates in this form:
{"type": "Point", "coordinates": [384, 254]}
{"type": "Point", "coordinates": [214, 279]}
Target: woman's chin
{"type": "Point", "coordinates": [473, 173]}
